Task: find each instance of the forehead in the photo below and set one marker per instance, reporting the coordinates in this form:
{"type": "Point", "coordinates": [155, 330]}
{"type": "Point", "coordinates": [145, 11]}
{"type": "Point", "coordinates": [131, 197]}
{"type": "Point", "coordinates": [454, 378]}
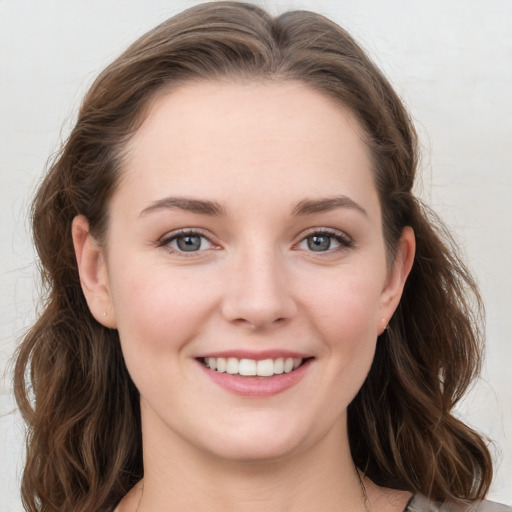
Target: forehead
{"type": "Point", "coordinates": [216, 138]}
{"type": "Point", "coordinates": [249, 112]}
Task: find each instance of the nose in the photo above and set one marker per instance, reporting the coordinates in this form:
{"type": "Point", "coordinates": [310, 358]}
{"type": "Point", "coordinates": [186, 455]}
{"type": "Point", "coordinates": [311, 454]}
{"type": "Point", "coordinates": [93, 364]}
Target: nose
{"type": "Point", "coordinates": [258, 292]}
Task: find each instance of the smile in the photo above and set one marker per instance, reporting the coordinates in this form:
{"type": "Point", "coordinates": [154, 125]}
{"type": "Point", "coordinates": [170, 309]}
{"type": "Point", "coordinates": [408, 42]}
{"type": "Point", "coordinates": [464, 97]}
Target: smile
{"type": "Point", "coordinates": [256, 375]}
{"type": "Point", "coordinates": [252, 367]}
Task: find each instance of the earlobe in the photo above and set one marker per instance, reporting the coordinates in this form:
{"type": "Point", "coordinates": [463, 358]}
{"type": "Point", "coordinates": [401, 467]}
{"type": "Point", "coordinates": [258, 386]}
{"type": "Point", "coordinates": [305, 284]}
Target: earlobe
{"type": "Point", "coordinates": [398, 274]}
{"type": "Point", "coordinates": [93, 273]}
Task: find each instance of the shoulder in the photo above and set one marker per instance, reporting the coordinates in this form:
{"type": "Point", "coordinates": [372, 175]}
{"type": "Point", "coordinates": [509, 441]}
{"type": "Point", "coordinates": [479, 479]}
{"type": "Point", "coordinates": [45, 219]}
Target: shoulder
{"type": "Point", "coordinates": [420, 503]}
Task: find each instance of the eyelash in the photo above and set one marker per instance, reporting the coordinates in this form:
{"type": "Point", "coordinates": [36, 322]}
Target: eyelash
{"type": "Point", "coordinates": [344, 241]}
{"type": "Point", "coordinates": [168, 239]}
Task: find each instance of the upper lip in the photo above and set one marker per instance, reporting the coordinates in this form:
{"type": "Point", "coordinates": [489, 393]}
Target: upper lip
{"type": "Point", "coordinates": [256, 355]}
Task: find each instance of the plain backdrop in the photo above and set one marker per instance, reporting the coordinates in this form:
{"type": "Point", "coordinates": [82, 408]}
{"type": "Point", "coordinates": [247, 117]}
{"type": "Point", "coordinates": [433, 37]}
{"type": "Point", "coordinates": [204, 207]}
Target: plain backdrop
{"type": "Point", "coordinates": [451, 62]}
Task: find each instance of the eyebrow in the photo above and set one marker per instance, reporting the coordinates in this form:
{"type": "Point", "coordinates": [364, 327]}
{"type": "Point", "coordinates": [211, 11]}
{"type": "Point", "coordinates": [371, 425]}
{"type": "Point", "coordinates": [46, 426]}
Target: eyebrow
{"type": "Point", "coordinates": [312, 206]}
{"type": "Point", "coordinates": [187, 204]}
{"type": "Point", "coordinates": [206, 207]}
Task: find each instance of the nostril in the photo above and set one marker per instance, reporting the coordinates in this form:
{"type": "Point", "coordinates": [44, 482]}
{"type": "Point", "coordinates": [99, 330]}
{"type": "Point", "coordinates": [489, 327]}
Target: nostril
{"type": "Point", "coordinates": [258, 322]}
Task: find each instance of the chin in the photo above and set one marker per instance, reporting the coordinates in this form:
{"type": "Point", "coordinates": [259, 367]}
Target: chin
{"type": "Point", "coordinates": [247, 453]}
{"type": "Point", "coordinates": [273, 441]}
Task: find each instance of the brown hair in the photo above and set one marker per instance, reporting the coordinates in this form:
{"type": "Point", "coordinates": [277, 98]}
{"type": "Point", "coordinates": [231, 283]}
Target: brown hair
{"type": "Point", "coordinates": [84, 448]}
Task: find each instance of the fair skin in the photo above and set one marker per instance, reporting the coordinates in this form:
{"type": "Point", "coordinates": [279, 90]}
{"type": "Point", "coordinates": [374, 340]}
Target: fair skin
{"type": "Point", "coordinates": [280, 256]}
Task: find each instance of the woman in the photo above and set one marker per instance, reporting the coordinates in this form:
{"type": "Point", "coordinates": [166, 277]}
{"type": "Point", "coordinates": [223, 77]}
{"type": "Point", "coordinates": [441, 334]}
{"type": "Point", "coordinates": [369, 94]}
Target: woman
{"type": "Point", "coordinates": [248, 309]}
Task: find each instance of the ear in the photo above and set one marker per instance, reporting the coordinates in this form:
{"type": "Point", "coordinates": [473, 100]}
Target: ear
{"type": "Point", "coordinates": [397, 276]}
{"type": "Point", "coordinates": [93, 273]}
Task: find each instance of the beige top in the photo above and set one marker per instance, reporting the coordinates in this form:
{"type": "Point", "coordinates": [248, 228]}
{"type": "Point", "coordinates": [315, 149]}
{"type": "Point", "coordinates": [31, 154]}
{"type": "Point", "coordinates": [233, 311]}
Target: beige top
{"type": "Point", "coordinates": [421, 504]}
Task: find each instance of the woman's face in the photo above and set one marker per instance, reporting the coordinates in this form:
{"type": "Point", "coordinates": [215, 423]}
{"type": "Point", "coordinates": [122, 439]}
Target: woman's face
{"type": "Point", "coordinates": [245, 238]}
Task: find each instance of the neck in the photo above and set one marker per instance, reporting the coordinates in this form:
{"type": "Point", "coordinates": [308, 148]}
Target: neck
{"type": "Point", "coordinates": [321, 477]}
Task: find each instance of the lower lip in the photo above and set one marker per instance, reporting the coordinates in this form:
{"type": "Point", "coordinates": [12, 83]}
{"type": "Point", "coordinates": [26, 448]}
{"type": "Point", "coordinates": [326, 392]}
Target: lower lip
{"type": "Point", "coordinates": [257, 387]}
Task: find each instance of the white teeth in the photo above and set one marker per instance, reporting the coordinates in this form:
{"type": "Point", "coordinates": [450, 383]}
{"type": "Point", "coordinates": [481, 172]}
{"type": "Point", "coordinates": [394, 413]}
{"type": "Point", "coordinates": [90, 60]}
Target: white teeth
{"type": "Point", "coordinates": [265, 368]}
{"type": "Point", "coordinates": [288, 365]}
{"type": "Point", "coordinates": [232, 365]}
{"type": "Point", "coordinates": [279, 365]}
{"type": "Point", "coordinates": [251, 367]}
{"type": "Point", "coordinates": [221, 365]}
{"type": "Point", "coordinates": [247, 367]}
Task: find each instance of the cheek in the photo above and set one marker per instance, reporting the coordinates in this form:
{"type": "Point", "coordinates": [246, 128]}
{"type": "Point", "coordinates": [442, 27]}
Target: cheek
{"type": "Point", "coordinates": [158, 314]}
{"type": "Point", "coordinates": [346, 316]}
{"type": "Point", "coordinates": [157, 309]}
{"type": "Point", "coordinates": [345, 304]}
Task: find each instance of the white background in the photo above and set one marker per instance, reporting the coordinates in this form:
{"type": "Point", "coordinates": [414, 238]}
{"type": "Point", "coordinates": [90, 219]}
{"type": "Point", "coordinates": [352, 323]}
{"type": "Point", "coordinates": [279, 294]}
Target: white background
{"type": "Point", "coordinates": [450, 60]}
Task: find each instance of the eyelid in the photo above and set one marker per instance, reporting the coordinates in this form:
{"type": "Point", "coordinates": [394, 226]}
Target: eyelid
{"type": "Point", "coordinates": [345, 241]}
{"type": "Point", "coordinates": [341, 237]}
{"type": "Point", "coordinates": [165, 240]}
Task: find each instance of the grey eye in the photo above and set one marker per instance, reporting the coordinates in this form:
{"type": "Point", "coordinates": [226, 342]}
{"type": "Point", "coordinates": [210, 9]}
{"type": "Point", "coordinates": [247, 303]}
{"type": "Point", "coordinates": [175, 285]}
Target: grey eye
{"type": "Point", "coordinates": [325, 241]}
{"type": "Point", "coordinates": [319, 243]}
{"type": "Point", "coordinates": [189, 242]}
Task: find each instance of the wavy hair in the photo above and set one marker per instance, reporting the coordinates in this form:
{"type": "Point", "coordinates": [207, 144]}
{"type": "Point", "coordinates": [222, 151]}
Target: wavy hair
{"type": "Point", "coordinates": [84, 449]}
